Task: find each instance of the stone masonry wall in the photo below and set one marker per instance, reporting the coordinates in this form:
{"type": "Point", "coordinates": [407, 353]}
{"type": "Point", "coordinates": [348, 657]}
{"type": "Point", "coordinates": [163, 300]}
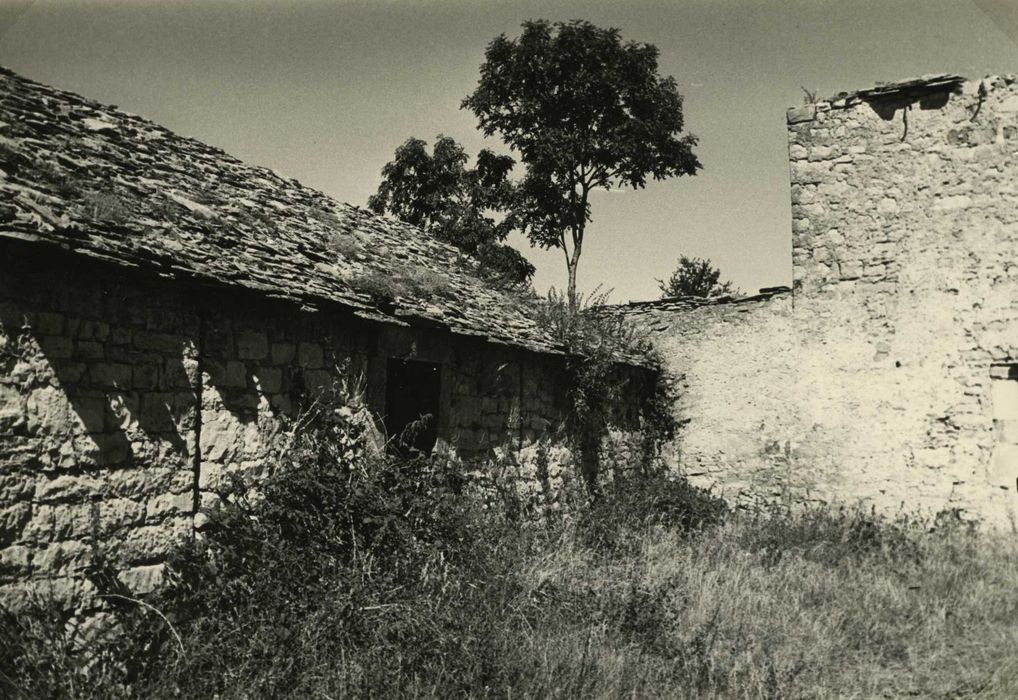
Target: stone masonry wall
{"type": "Point", "coordinates": [905, 220]}
{"type": "Point", "coordinates": [890, 376]}
{"type": "Point", "coordinates": [733, 367]}
{"type": "Point", "coordinates": [125, 399]}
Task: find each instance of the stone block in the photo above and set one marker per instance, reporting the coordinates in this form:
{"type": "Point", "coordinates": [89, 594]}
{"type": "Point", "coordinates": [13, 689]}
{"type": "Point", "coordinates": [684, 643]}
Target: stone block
{"type": "Point", "coordinates": [49, 323]}
{"type": "Point", "coordinates": [952, 203]}
{"type": "Point", "coordinates": [145, 376]}
{"type": "Point", "coordinates": [282, 404]}
{"type": "Point", "coordinates": [66, 487]}
{"type": "Point", "coordinates": [318, 380]}
{"type": "Point", "coordinates": [283, 353]}
{"type": "Point", "coordinates": [144, 579]}
{"type": "Point", "coordinates": [156, 413]}
{"type": "Point", "coordinates": [1004, 396]}
{"type": "Point", "coordinates": [90, 411]}
{"type": "Point", "coordinates": [310, 356]}
{"type": "Point", "coordinates": [15, 561]}
{"type": "Point", "coordinates": [111, 374]}
{"type": "Point", "coordinates": [150, 543]}
{"type": "Point", "coordinates": [67, 558]}
{"type": "Point", "coordinates": [120, 513]}
{"type": "Point", "coordinates": [269, 380]}
{"type": "Point", "coordinates": [176, 373]}
{"type": "Point", "coordinates": [219, 439]}
{"type": "Point", "coordinates": [121, 335]}
{"type": "Point", "coordinates": [887, 206]}
{"type": "Point", "coordinates": [89, 350]}
{"type": "Point", "coordinates": [798, 115]}
{"type": "Point", "coordinates": [93, 330]}
{"type": "Point", "coordinates": [1004, 466]}
{"type": "Point", "coordinates": [236, 375]}
{"type": "Point", "coordinates": [252, 345]}
{"type": "Point", "coordinates": [169, 504]}
{"type": "Point", "coordinates": [114, 448]}
{"type": "Point", "coordinates": [57, 347]}
{"type": "Point", "coordinates": [13, 519]}
{"type": "Point", "coordinates": [229, 375]}
{"type": "Point", "coordinates": [163, 343]}
{"type": "Point", "coordinates": [1007, 431]}
{"type": "Point", "coordinates": [1009, 105]}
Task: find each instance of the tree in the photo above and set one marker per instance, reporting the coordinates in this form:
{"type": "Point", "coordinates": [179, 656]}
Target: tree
{"type": "Point", "coordinates": [441, 195]}
{"type": "Point", "coordinates": [584, 110]}
{"type": "Point", "coordinates": [695, 277]}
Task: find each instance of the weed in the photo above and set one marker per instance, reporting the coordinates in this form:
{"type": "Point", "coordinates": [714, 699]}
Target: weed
{"type": "Point", "coordinates": [350, 575]}
{"type": "Point", "coordinates": [346, 245]}
{"type": "Point", "coordinates": [323, 216]}
{"type": "Point", "coordinates": [107, 207]}
{"type": "Point", "coordinates": [407, 283]}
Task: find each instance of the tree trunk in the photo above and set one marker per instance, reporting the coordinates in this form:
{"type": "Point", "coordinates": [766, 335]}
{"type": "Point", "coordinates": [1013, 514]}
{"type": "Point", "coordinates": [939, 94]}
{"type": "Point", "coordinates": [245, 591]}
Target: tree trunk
{"type": "Point", "coordinates": [573, 261]}
{"type": "Point", "coordinates": [571, 267]}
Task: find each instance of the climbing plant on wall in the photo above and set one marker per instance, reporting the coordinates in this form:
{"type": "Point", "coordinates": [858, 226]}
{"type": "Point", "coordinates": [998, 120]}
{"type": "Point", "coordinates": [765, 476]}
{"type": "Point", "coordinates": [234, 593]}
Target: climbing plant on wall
{"type": "Point", "coordinates": [597, 342]}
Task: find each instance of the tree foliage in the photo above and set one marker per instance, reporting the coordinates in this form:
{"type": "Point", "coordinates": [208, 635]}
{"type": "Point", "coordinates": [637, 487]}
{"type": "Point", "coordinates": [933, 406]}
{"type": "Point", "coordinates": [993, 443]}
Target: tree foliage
{"type": "Point", "coordinates": [695, 277]}
{"type": "Point", "coordinates": [457, 204]}
{"type": "Point", "coordinates": [584, 110]}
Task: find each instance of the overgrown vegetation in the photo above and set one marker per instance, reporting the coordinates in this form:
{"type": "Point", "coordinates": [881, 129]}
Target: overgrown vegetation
{"type": "Point", "coordinates": [346, 575]}
{"type": "Point", "coordinates": [598, 344]}
{"type": "Point", "coordinates": [106, 206]}
{"type": "Point", "coordinates": [408, 282]}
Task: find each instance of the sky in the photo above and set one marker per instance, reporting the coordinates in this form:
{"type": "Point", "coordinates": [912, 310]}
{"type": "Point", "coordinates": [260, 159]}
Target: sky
{"type": "Point", "coordinates": [325, 92]}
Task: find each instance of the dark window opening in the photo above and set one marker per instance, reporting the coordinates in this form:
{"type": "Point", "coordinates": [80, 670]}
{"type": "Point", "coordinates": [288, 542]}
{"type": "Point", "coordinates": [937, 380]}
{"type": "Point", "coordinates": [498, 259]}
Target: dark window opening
{"type": "Point", "coordinates": [411, 406]}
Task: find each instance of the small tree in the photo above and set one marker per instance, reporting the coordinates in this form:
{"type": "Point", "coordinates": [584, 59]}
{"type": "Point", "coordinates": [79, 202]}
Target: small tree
{"type": "Point", "coordinates": [695, 277]}
{"type": "Point", "coordinates": [584, 110]}
{"type": "Point", "coordinates": [441, 195]}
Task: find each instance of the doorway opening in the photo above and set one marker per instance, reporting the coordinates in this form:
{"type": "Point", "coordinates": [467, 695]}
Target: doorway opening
{"type": "Point", "coordinates": [412, 406]}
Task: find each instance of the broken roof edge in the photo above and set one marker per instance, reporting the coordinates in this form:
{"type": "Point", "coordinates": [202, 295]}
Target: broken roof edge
{"type": "Point", "coordinates": [688, 302]}
{"type": "Point", "coordinates": [910, 89]}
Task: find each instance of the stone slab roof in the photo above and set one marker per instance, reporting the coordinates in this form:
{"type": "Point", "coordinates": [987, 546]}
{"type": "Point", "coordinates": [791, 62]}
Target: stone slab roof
{"type": "Point", "coordinates": [115, 187]}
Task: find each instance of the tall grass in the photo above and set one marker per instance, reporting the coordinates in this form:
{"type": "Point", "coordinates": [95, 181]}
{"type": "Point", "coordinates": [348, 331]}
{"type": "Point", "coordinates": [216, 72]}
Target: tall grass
{"type": "Point", "coordinates": [346, 576]}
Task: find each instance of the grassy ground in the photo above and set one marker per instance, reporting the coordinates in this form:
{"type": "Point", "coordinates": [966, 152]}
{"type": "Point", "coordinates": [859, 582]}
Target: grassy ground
{"type": "Point", "coordinates": [391, 582]}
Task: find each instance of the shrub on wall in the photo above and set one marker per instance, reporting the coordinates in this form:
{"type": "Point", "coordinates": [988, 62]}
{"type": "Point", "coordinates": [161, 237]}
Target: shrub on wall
{"type": "Point", "coordinates": [599, 344]}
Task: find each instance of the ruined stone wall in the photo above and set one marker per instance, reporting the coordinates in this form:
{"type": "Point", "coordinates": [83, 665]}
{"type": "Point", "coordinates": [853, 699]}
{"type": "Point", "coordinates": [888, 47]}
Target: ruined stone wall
{"type": "Point", "coordinates": [905, 220]}
{"type": "Point", "coordinates": [124, 400]}
{"type": "Point", "coordinates": [890, 376]}
{"type": "Point", "coordinates": [733, 368]}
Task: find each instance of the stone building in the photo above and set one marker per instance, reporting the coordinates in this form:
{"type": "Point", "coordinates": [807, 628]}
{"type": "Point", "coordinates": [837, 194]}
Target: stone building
{"type": "Point", "coordinates": [166, 309]}
{"type": "Point", "coordinates": [889, 372]}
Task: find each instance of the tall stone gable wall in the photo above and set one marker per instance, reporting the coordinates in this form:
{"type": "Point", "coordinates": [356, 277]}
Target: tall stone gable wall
{"type": "Point", "coordinates": [125, 399]}
{"type": "Point", "coordinates": [891, 373]}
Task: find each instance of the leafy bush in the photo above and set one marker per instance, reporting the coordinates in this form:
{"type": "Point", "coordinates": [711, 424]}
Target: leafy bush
{"type": "Point", "coordinates": [597, 342]}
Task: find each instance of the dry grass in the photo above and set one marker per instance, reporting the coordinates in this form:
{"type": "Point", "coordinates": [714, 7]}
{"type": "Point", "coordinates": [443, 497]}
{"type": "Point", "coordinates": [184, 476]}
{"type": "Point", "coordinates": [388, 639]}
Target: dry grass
{"type": "Point", "coordinates": [718, 615]}
{"type": "Point", "coordinates": [621, 601]}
